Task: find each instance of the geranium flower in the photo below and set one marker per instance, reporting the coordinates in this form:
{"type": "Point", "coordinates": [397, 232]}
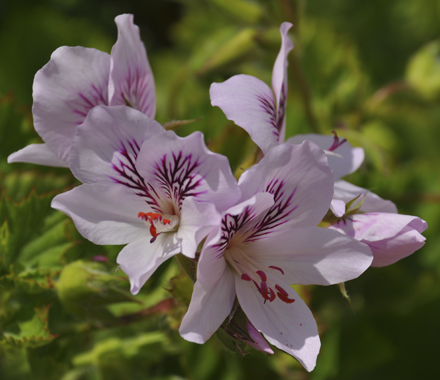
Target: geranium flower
{"type": "Point", "coordinates": [75, 80]}
{"type": "Point", "coordinates": [251, 104]}
{"type": "Point", "coordinates": [371, 219]}
{"type": "Point", "coordinates": [144, 186]}
{"type": "Point", "coordinates": [375, 222]}
{"type": "Point", "coordinates": [269, 241]}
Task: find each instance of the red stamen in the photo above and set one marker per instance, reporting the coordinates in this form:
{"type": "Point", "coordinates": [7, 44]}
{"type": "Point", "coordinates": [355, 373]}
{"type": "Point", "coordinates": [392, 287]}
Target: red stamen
{"type": "Point", "coordinates": [271, 295]}
{"type": "Point", "coordinates": [277, 268]}
{"type": "Point", "coordinates": [245, 277]}
{"type": "Point", "coordinates": [262, 275]}
{"type": "Point", "coordinates": [336, 143]}
{"type": "Point", "coordinates": [284, 298]}
{"type": "Point", "coordinates": [281, 290]}
{"type": "Point", "coordinates": [264, 291]}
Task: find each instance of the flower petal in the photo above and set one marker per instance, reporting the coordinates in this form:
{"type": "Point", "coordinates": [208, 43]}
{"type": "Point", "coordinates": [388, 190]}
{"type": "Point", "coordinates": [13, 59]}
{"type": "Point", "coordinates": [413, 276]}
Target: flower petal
{"type": "Point", "coordinates": [372, 202]}
{"type": "Point", "coordinates": [183, 167]}
{"type": "Point", "coordinates": [106, 145]}
{"type": "Point", "coordinates": [405, 243]}
{"type": "Point", "coordinates": [259, 343]}
{"type": "Point", "coordinates": [212, 298]}
{"type": "Point", "coordinates": [38, 154]}
{"type": "Point", "coordinates": [299, 178]}
{"type": "Point", "coordinates": [104, 214]}
{"type": "Point", "coordinates": [346, 160]}
{"type": "Point", "coordinates": [279, 79]}
{"type": "Point", "coordinates": [312, 256]}
{"type": "Point", "coordinates": [290, 327]}
{"type": "Point", "coordinates": [337, 207]}
{"type": "Point", "coordinates": [198, 219]}
{"type": "Point", "coordinates": [391, 237]}
{"type": "Point", "coordinates": [73, 82]}
{"type": "Point", "coordinates": [131, 78]}
{"type": "Point", "coordinates": [249, 103]}
{"type": "Point", "coordinates": [141, 258]}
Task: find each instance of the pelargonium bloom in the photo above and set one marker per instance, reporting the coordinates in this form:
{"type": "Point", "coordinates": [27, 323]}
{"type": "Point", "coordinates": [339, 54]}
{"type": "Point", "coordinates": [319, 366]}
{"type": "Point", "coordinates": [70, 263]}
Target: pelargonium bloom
{"type": "Point", "coordinates": [146, 187]}
{"type": "Point", "coordinates": [375, 222]}
{"type": "Point", "coordinates": [268, 241]}
{"type": "Point", "coordinates": [372, 220]}
{"type": "Point", "coordinates": [251, 104]}
{"type": "Point", "coordinates": [75, 80]}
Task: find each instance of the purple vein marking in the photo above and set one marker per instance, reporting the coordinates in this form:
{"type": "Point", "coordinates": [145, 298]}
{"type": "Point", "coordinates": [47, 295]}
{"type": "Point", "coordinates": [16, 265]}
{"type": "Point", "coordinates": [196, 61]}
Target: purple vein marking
{"type": "Point", "coordinates": [178, 176]}
{"type": "Point", "coordinates": [277, 214]}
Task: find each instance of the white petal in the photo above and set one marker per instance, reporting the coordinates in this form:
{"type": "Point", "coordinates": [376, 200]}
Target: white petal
{"type": "Point", "coordinates": [212, 298]}
{"type": "Point", "coordinates": [249, 103]}
{"type": "Point", "coordinates": [312, 255]}
{"type": "Point", "coordinates": [338, 207]}
{"type": "Point", "coordinates": [197, 220]}
{"type": "Point", "coordinates": [279, 78]}
{"type": "Point", "coordinates": [141, 258]}
{"type": "Point", "coordinates": [299, 178]}
{"type": "Point", "coordinates": [106, 145]}
{"type": "Point", "coordinates": [131, 78]}
{"type": "Point", "coordinates": [182, 167]}
{"type": "Point", "coordinates": [372, 202]}
{"type": "Point", "coordinates": [290, 327]}
{"type": "Point", "coordinates": [405, 243]}
{"type": "Point", "coordinates": [73, 82]}
{"type": "Point", "coordinates": [104, 214]}
{"type": "Point", "coordinates": [346, 160]}
{"type": "Point", "coordinates": [38, 154]}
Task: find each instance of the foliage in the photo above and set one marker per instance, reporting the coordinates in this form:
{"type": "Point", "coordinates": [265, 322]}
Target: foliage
{"type": "Point", "coordinates": [369, 70]}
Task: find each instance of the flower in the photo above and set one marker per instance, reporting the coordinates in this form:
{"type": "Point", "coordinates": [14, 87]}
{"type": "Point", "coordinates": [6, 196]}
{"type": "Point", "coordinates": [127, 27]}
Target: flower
{"type": "Point", "coordinates": [75, 80]}
{"type": "Point", "coordinates": [250, 103]}
{"type": "Point", "coordinates": [269, 241]}
{"type": "Point", "coordinates": [144, 186]}
{"type": "Point", "coordinates": [375, 222]}
{"type": "Point", "coordinates": [370, 219]}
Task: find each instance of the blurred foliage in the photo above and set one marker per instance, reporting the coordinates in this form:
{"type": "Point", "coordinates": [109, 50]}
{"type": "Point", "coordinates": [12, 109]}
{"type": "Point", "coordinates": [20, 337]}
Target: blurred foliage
{"type": "Point", "coordinates": [369, 70]}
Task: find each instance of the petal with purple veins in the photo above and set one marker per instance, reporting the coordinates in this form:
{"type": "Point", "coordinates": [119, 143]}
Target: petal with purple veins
{"type": "Point", "coordinates": [131, 78]}
{"type": "Point", "coordinates": [106, 145]}
{"type": "Point", "coordinates": [73, 82]}
{"type": "Point", "coordinates": [250, 104]}
{"type": "Point", "coordinates": [300, 180]}
{"type": "Point", "coordinates": [279, 79]}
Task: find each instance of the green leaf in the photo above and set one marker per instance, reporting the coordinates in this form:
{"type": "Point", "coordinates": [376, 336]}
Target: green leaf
{"type": "Point", "coordinates": [32, 333]}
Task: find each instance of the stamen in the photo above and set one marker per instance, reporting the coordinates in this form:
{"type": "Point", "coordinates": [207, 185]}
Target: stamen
{"type": "Point", "coordinates": [336, 143]}
{"type": "Point", "coordinates": [277, 268]}
{"type": "Point", "coordinates": [245, 277]}
{"type": "Point", "coordinates": [262, 275]}
{"type": "Point", "coordinates": [157, 222]}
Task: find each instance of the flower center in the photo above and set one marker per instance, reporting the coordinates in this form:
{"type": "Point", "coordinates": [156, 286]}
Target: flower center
{"type": "Point", "coordinates": [158, 223]}
{"type": "Point", "coordinates": [250, 270]}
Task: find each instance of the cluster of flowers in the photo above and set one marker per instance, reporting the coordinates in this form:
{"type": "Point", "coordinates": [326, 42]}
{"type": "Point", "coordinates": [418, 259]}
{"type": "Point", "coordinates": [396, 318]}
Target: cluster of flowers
{"type": "Point", "coordinates": [289, 219]}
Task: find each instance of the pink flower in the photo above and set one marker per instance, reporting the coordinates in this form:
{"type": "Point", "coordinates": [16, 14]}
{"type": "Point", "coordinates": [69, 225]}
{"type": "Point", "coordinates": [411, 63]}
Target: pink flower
{"type": "Point", "coordinates": [389, 235]}
{"type": "Point", "coordinates": [269, 241]}
{"type": "Point", "coordinates": [143, 186]}
{"type": "Point", "coordinates": [75, 80]}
